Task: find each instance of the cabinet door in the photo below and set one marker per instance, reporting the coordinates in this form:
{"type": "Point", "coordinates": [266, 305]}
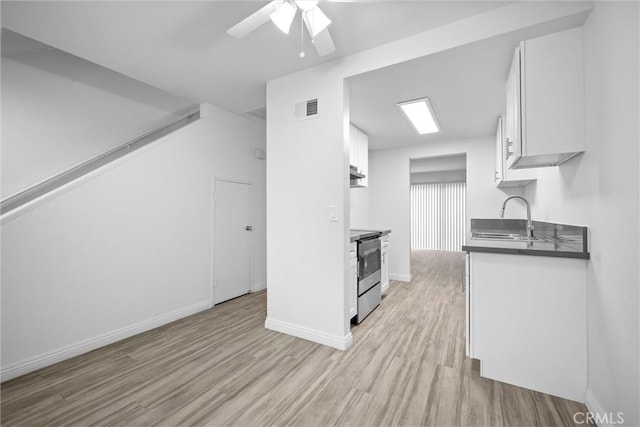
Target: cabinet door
{"type": "Point", "coordinates": [353, 150]}
{"type": "Point", "coordinates": [363, 157]}
{"type": "Point", "coordinates": [553, 103]}
{"type": "Point", "coordinates": [497, 177]}
{"type": "Point", "coordinates": [505, 177]}
{"type": "Point", "coordinates": [353, 291]}
{"type": "Point", "coordinates": [508, 295]}
{"type": "Point", "coordinates": [513, 140]}
{"type": "Point", "coordinates": [359, 153]}
{"type": "Point", "coordinates": [467, 303]}
{"type": "Point", "coordinates": [384, 270]}
{"type": "Point", "coordinates": [545, 101]}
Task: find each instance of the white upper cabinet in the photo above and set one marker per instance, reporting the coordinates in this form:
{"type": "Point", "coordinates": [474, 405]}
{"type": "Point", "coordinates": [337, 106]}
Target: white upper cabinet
{"type": "Point", "coordinates": [359, 154]}
{"type": "Point", "coordinates": [353, 153]}
{"type": "Point", "coordinates": [545, 101]}
{"type": "Point", "coordinates": [505, 177]}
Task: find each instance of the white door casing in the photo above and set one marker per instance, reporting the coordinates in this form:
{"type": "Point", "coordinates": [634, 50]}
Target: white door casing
{"type": "Point", "coordinates": [232, 240]}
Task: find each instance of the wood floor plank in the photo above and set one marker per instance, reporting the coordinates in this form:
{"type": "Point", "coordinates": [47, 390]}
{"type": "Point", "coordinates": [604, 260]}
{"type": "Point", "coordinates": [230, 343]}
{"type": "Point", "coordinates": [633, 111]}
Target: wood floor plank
{"type": "Point", "coordinates": [28, 384]}
{"type": "Point", "coordinates": [196, 412]}
{"type": "Point", "coordinates": [222, 367]}
{"type": "Point", "coordinates": [32, 409]}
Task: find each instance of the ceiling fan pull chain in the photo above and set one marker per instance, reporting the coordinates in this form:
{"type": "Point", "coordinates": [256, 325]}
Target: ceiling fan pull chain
{"type": "Point", "coordinates": [302, 35]}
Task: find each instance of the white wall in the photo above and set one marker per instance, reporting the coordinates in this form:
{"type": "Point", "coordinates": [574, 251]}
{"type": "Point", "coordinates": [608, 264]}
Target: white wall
{"type": "Point", "coordinates": [125, 248]}
{"type": "Point", "coordinates": [389, 199]}
{"type": "Point", "coordinates": [59, 110]}
{"type": "Point", "coordinates": [307, 174]}
{"type": "Point", "coordinates": [601, 189]}
{"type": "Point", "coordinates": [359, 207]}
{"type": "Point", "coordinates": [442, 176]}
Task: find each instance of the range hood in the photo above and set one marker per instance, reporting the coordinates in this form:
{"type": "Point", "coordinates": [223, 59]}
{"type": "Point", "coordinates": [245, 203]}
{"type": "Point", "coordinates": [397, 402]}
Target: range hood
{"type": "Point", "coordinates": [355, 176]}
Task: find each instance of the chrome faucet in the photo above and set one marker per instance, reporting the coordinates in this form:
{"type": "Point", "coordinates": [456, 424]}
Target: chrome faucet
{"type": "Point", "coordinates": [529, 222]}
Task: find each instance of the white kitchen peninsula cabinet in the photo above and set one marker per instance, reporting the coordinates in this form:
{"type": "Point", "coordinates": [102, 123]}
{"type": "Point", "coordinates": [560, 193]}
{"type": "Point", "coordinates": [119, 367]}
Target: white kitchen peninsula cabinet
{"type": "Point", "coordinates": [546, 101]}
{"type": "Point", "coordinates": [359, 153]}
{"type": "Point", "coordinates": [353, 286]}
{"type": "Point", "coordinates": [505, 177]}
{"type": "Point", "coordinates": [384, 268]}
{"type": "Point", "coordinates": [527, 321]}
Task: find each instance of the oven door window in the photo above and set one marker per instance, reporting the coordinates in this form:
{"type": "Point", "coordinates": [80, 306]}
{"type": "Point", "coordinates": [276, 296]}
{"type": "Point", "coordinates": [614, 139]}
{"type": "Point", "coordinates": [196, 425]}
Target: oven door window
{"type": "Point", "coordinates": [369, 263]}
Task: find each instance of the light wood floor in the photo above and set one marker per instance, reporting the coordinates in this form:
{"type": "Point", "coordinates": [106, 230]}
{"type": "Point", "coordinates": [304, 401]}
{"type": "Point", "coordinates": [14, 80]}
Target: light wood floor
{"type": "Point", "coordinates": [221, 367]}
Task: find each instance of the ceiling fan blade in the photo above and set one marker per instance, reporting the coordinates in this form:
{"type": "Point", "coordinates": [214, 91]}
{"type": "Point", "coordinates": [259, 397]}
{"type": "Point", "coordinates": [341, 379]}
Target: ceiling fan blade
{"type": "Point", "coordinates": [315, 21]}
{"type": "Point", "coordinates": [254, 20]}
{"type": "Point", "coordinates": [324, 43]}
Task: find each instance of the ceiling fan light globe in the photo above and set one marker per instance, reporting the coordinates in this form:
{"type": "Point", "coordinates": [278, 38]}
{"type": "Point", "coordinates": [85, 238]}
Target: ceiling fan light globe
{"type": "Point", "coordinates": [315, 20]}
{"type": "Point", "coordinates": [283, 17]}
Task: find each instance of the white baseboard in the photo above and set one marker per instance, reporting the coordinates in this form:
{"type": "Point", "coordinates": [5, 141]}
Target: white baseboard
{"type": "Point", "coordinates": [31, 364]}
{"type": "Point", "coordinates": [259, 286]}
{"type": "Point", "coordinates": [335, 341]}
{"type": "Point", "coordinates": [592, 403]}
{"type": "Point", "coordinates": [400, 277]}
{"type": "Point", "coordinates": [386, 286]}
{"type": "Point", "coordinates": [594, 406]}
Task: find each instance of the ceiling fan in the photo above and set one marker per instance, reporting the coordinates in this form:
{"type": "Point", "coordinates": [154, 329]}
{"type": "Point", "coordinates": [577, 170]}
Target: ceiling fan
{"type": "Point", "coordinates": [282, 13]}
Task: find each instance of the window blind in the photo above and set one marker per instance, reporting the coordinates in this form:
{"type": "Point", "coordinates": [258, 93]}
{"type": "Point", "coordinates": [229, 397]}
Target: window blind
{"type": "Point", "coordinates": [438, 216]}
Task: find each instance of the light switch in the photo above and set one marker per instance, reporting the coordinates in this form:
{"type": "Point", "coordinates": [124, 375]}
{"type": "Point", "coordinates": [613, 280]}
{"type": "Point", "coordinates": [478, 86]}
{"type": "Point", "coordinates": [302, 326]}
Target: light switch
{"type": "Point", "coordinates": [333, 213]}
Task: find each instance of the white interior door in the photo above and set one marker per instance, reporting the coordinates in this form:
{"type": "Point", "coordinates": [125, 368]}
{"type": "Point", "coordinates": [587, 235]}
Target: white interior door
{"type": "Point", "coordinates": [232, 247]}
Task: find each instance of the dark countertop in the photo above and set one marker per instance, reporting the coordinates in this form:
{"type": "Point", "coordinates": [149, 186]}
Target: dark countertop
{"type": "Point", "coordinates": [569, 242]}
{"type": "Point", "coordinates": [363, 234]}
{"type": "Point", "coordinates": [535, 248]}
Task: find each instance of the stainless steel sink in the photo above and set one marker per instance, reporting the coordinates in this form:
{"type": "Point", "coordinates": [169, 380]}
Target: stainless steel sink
{"type": "Point", "coordinates": [501, 231]}
{"type": "Point", "coordinates": [501, 236]}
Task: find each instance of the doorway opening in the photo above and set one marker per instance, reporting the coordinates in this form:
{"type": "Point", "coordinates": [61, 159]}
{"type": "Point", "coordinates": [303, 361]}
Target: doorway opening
{"type": "Point", "coordinates": [438, 202]}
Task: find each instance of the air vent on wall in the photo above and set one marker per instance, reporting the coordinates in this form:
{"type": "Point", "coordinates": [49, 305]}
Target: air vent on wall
{"type": "Point", "coordinates": [312, 107]}
{"type": "Point", "coordinates": [307, 109]}
{"type": "Point", "coordinates": [259, 113]}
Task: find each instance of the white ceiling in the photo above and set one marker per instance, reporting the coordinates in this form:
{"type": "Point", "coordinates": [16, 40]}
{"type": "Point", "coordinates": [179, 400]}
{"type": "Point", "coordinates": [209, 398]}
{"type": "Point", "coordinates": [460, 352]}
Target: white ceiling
{"type": "Point", "coordinates": [182, 47]}
{"type": "Point", "coordinates": [13, 43]}
{"type": "Point", "coordinates": [35, 54]}
{"type": "Point", "coordinates": [466, 87]}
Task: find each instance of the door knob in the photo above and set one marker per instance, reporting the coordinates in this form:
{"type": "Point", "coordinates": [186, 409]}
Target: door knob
{"type": "Point", "coordinates": [248, 228]}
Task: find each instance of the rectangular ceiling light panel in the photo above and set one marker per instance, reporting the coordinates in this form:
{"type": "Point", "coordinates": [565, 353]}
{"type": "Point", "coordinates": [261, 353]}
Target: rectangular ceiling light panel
{"type": "Point", "coordinates": [420, 114]}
